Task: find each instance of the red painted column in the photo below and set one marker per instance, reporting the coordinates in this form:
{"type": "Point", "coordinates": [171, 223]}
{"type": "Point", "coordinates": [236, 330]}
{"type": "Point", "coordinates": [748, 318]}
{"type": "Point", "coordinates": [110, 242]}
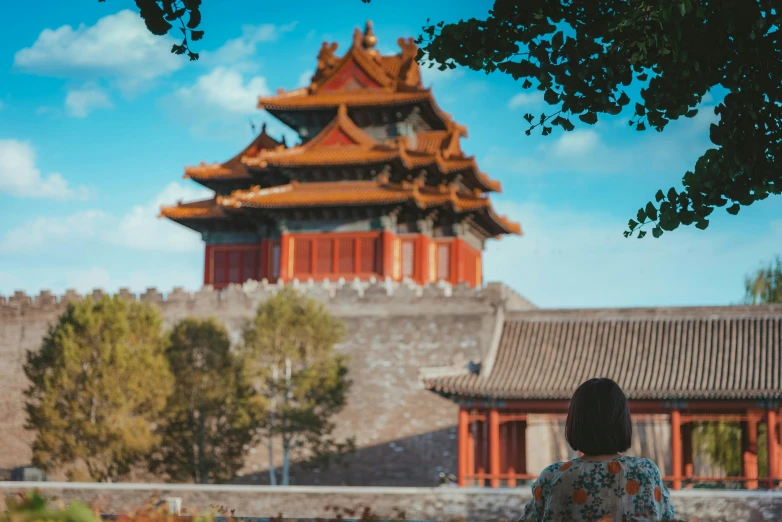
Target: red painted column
{"type": "Point", "coordinates": [456, 261]}
{"type": "Point", "coordinates": [676, 448]}
{"type": "Point", "coordinates": [424, 243]}
{"type": "Point", "coordinates": [463, 442]}
{"type": "Point", "coordinates": [771, 445]}
{"type": "Point", "coordinates": [749, 451]}
{"type": "Point", "coordinates": [286, 257]}
{"type": "Point", "coordinates": [208, 265]}
{"type": "Point", "coordinates": [387, 253]}
{"type": "Point", "coordinates": [494, 447]}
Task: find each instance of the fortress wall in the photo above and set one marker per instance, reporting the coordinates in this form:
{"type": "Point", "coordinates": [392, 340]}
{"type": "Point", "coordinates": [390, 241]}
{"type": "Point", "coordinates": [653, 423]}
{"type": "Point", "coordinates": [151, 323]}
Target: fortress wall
{"type": "Point", "coordinates": [405, 435]}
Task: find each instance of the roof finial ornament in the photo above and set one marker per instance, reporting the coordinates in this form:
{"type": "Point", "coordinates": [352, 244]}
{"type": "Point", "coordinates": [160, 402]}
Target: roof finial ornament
{"type": "Point", "coordinates": [370, 40]}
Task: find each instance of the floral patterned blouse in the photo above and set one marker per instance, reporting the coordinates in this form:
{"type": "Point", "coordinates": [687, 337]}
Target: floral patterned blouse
{"type": "Point", "coordinates": [625, 489]}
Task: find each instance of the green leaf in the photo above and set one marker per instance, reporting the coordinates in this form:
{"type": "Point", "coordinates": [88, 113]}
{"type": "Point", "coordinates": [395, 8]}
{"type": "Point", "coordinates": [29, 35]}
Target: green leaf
{"type": "Point", "coordinates": [640, 126]}
{"type": "Point", "coordinates": [551, 97]}
{"type": "Point", "coordinates": [588, 117]}
{"type": "Point", "coordinates": [632, 224]}
{"type": "Point", "coordinates": [546, 130]}
{"type": "Point", "coordinates": [643, 77]}
{"type": "Point", "coordinates": [527, 84]}
{"type": "Point", "coordinates": [657, 231]}
{"type": "Point", "coordinates": [529, 117]}
{"type": "Point", "coordinates": [641, 216]}
{"type": "Point", "coordinates": [641, 234]}
{"type": "Point", "coordinates": [623, 99]}
{"type": "Point", "coordinates": [196, 35]}
{"type": "Point", "coordinates": [651, 211]}
{"type": "Point", "coordinates": [733, 209]}
{"type": "Point", "coordinates": [640, 110]}
{"type": "Point", "coordinates": [672, 195]}
{"type": "Point", "coordinates": [659, 196]}
{"type": "Point", "coordinates": [557, 40]}
{"type": "Point", "coordinates": [567, 125]}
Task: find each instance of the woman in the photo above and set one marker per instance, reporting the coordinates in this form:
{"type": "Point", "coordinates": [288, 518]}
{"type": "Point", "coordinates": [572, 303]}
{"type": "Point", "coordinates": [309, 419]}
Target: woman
{"type": "Point", "coordinates": [602, 484]}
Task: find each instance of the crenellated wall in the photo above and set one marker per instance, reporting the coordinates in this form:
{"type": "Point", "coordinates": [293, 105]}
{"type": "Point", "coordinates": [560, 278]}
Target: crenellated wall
{"type": "Point", "coordinates": [405, 435]}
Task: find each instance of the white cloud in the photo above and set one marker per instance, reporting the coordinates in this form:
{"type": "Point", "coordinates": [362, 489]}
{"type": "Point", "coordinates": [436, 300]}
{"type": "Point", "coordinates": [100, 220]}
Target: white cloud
{"type": "Point", "coordinates": [80, 102]}
{"type": "Point", "coordinates": [118, 46]}
{"type": "Point", "coordinates": [585, 150]}
{"type": "Point", "coordinates": [224, 90]}
{"type": "Point", "coordinates": [570, 258]}
{"type": "Point", "coordinates": [20, 177]}
{"type": "Point", "coordinates": [243, 48]}
{"type": "Point", "coordinates": [434, 77]}
{"type": "Point", "coordinates": [141, 229]}
{"type": "Point", "coordinates": [138, 229]}
{"type": "Point", "coordinates": [526, 100]}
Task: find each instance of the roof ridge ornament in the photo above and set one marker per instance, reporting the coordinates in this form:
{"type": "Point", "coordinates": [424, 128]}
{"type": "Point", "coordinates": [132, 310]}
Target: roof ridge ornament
{"type": "Point", "coordinates": [370, 40]}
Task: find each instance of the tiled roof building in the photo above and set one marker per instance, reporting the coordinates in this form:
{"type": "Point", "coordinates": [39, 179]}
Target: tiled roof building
{"type": "Point", "coordinates": [379, 186]}
{"type": "Point", "coordinates": [697, 364]}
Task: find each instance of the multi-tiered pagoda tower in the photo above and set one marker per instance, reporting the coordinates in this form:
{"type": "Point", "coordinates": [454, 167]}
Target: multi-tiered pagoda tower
{"type": "Point", "coordinates": [379, 186]}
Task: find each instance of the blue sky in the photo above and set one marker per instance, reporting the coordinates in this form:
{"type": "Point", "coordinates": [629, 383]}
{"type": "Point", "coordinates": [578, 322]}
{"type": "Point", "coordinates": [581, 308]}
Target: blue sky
{"type": "Point", "coordinates": [98, 120]}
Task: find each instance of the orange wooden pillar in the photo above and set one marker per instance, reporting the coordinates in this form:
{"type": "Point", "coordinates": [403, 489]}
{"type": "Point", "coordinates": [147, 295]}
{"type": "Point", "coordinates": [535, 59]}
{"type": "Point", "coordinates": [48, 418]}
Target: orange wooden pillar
{"type": "Point", "coordinates": [463, 441]}
{"type": "Point", "coordinates": [687, 451]}
{"type": "Point", "coordinates": [749, 451]}
{"type": "Point", "coordinates": [387, 251]}
{"type": "Point", "coordinates": [676, 448]}
{"type": "Point", "coordinates": [286, 257]}
{"type": "Point", "coordinates": [494, 447]}
{"type": "Point", "coordinates": [424, 246]}
{"type": "Point", "coordinates": [771, 445]}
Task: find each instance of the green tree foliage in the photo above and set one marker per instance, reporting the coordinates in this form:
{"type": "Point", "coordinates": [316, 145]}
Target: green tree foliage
{"type": "Point", "coordinates": [721, 442]}
{"type": "Point", "coordinates": [99, 383]}
{"type": "Point", "coordinates": [584, 56]}
{"type": "Point", "coordinates": [765, 286]}
{"type": "Point", "coordinates": [290, 359]}
{"type": "Point", "coordinates": [209, 418]}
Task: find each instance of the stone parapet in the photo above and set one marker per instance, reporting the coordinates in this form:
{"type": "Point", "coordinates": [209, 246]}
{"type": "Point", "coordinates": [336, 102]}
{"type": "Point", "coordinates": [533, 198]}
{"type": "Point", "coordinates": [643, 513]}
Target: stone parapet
{"type": "Point", "coordinates": [340, 294]}
{"type": "Point", "coordinates": [443, 504]}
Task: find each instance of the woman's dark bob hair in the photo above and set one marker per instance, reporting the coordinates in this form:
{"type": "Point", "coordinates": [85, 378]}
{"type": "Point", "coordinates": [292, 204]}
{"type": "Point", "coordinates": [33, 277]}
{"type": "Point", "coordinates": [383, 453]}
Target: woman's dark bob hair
{"type": "Point", "coordinates": [598, 419]}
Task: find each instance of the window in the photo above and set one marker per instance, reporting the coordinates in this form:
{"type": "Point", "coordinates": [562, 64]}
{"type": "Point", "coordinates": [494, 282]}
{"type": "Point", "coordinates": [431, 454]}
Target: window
{"type": "Point", "coordinates": [234, 264]}
{"type": "Point", "coordinates": [368, 255]}
{"type": "Point", "coordinates": [443, 261]}
{"type": "Point", "coordinates": [347, 256]}
{"type": "Point", "coordinates": [302, 256]}
{"type": "Point", "coordinates": [408, 259]}
{"type": "Point", "coordinates": [275, 261]}
{"type": "Point", "coordinates": [324, 263]}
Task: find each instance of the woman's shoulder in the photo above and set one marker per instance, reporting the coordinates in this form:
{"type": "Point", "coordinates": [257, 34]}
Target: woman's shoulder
{"type": "Point", "coordinates": [557, 467]}
{"type": "Point", "coordinates": [641, 464]}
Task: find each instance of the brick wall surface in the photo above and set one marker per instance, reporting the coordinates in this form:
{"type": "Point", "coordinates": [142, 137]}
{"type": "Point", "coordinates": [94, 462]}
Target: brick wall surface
{"type": "Point", "coordinates": [416, 503]}
{"type": "Point", "coordinates": [405, 435]}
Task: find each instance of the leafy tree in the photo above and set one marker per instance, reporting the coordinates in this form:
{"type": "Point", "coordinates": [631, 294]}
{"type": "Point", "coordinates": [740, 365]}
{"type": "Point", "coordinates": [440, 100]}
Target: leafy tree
{"type": "Point", "coordinates": [210, 414]}
{"type": "Point", "coordinates": [99, 383]}
{"type": "Point", "coordinates": [584, 56]}
{"type": "Point", "coordinates": [721, 442]}
{"type": "Point", "coordinates": [765, 286]}
{"type": "Point", "coordinates": [290, 359]}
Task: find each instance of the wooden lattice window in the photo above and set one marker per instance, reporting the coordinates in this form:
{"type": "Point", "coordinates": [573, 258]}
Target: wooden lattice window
{"type": "Point", "coordinates": [324, 261]}
{"type": "Point", "coordinates": [234, 264]}
{"type": "Point", "coordinates": [408, 259]}
{"type": "Point", "coordinates": [219, 267]}
{"type": "Point", "coordinates": [347, 256]}
{"type": "Point", "coordinates": [443, 261]}
{"type": "Point", "coordinates": [302, 257]}
{"type": "Point", "coordinates": [368, 255]}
